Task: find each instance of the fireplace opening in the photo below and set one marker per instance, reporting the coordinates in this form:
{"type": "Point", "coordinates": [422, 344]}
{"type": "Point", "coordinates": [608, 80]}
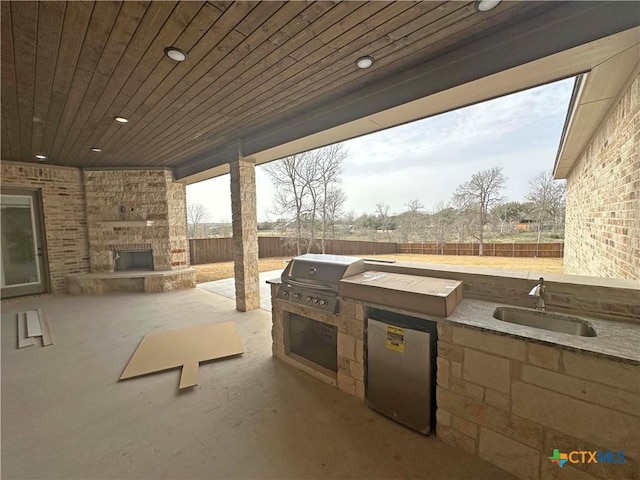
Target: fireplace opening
{"type": "Point", "coordinates": [126, 260]}
{"type": "Point", "coordinates": [312, 340]}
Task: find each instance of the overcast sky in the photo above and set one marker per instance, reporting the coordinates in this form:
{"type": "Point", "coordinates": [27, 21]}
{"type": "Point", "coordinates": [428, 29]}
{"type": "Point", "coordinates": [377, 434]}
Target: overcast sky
{"type": "Point", "coordinates": [428, 159]}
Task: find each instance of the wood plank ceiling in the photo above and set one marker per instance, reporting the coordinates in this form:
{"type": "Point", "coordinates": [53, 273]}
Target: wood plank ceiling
{"type": "Point", "coordinates": [68, 68]}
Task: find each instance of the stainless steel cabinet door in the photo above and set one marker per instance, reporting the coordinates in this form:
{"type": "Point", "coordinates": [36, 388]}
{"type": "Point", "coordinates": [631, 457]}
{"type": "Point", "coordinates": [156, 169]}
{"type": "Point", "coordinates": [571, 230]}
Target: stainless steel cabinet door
{"type": "Point", "coordinates": [399, 374]}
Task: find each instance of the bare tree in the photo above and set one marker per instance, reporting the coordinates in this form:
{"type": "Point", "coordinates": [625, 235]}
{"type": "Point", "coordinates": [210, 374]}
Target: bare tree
{"type": "Point", "coordinates": [224, 227]}
{"type": "Point", "coordinates": [197, 216]}
{"type": "Point", "coordinates": [291, 189]}
{"type": "Point", "coordinates": [464, 221]}
{"type": "Point", "coordinates": [441, 224]}
{"type": "Point", "coordinates": [382, 212]}
{"type": "Point", "coordinates": [305, 185]}
{"type": "Point", "coordinates": [478, 196]}
{"type": "Point", "coordinates": [508, 213]}
{"type": "Point", "coordinates": [411, 219]}
{"type": "Point", "coordinates": [333, 204]}
{"type": "Point", "coordinates": [547, 197]}
{"type": "Point", "coordinates": [329, 164]}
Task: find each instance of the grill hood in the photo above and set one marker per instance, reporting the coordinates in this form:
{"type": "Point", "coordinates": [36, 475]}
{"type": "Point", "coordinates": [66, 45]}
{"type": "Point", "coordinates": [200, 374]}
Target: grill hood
{"type": "Point", "coordinates": [313, 279]}
{"type": "Point", "coordinates": [321, 271]}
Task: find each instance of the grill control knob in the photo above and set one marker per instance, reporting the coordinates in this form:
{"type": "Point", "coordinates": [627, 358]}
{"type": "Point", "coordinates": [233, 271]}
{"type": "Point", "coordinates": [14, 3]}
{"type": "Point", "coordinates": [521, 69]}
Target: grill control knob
{"type": "Point", "coordinates": [315, 300]}
{"type": "Point", "coordinates": [308, 299]}
{"type": "Point", "coordinates": [323, 302]}
{"type": "Point", "coordinates": [285, 293]}
{"type": "Point", "coordinates": [296, 295]}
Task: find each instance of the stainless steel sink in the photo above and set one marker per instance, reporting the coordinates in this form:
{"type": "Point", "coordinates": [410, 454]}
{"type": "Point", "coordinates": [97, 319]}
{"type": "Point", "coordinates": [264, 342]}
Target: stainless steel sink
{"type": "Point", "coordinates": [546, 321]}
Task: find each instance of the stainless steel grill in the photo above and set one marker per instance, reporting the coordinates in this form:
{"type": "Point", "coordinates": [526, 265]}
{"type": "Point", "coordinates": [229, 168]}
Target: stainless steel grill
{"type": "Point", "coordinates": [313, 279]}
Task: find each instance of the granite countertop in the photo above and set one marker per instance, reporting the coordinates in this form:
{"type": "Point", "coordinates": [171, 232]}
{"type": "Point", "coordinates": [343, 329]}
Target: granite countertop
{"type": "Point", "coordinates": [615, 340]}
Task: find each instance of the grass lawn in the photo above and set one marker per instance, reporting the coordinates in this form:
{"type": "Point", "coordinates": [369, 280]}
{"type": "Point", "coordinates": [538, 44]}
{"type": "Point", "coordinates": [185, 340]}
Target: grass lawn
{"type": "Point", "coordinates": [218, 271]}
{"type": "Point", "coordinates": [545, 265]}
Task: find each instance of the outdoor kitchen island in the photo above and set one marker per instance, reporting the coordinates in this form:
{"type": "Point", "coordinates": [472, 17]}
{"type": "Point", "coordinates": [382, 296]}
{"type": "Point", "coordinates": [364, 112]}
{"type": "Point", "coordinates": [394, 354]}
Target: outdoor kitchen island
{"type": "Point", "coordinates": [317, 329]}
{"type": "Point", "coordinates": [506, 392]}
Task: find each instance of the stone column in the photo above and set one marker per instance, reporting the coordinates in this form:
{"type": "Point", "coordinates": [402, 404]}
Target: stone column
{"type": "Point", "coordinates": [245, 234]}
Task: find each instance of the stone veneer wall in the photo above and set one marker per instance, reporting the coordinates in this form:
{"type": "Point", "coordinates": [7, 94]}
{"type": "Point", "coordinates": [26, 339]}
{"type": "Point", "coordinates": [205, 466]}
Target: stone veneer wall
{"type": "Point", "coordinates": [154, 196]}
{"type": "Point", "coordinates": [245, 234]}
{"type": "Point", "coordinates": [64, 213]}
{"type": "Point", "coordinates": [178, 228]}
{"type": "Point", "coordinates": [602, 233]}
{"type": "Point", "coordinates": [513, 402]}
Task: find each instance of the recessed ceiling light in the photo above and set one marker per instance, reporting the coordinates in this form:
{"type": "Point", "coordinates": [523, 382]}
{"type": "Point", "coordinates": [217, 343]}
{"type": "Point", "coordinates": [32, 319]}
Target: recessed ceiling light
{"type": "Point", "coordinates": [96, 149]}
{"type": "Point", "coordinates": [121, 119]}
{"type": "Point", "coordinates": [364, 62]}
{"type": "Point", "coordinates": [175, 54]}
{"type": "Point", "coordinates": [486, 5]}
{"type": "Point", "coordinates": [41, 157]}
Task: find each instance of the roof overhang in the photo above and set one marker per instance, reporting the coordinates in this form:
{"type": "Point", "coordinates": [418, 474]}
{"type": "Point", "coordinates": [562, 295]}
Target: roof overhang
{"type": "Point", "coordinates": [514, 59]}
{"type": "Point", "coordinates": [594, 95]}
{"type": "Point", "coordinates": [268, 79]}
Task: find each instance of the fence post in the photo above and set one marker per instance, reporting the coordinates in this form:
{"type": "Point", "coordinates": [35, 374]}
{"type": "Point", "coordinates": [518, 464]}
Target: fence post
{"type": "Point", "coordinates": [513, 249]}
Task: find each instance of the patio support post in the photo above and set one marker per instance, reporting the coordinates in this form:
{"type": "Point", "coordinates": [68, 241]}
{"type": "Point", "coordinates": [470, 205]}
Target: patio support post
{"type": "Point", "coordinates": [245, 234]}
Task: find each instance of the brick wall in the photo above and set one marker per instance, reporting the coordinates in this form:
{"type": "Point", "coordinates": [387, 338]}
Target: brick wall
{"type": "Point", "coordinates": [508, 401]}
{"type": "Point", "coordinates": [136, 195]}
{"type": "Point", "coordinates": [602, 233]}
{"type": "Point", "coordinates": [64, 213]}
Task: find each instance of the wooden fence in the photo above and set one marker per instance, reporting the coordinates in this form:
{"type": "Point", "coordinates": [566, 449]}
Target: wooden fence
{"type": "Point", "coordinates": [547, 250]}
{"type": "Point", "coordinates": [212, 250]}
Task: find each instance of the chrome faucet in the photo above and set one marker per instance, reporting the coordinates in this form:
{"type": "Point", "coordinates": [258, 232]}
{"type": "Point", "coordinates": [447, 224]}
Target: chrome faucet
{"type": "Point", "coordinates": [538, 292]}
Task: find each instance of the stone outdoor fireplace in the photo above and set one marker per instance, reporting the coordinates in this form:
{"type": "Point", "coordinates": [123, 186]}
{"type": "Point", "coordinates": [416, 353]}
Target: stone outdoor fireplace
{"type": "Point", "coordinates": [137, 229]}
{"type": "Point", "coordinates": [132, 211]}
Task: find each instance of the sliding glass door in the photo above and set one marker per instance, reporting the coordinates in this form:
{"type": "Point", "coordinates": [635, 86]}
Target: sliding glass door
{"type": "Point", "coordinates": [23, 260]}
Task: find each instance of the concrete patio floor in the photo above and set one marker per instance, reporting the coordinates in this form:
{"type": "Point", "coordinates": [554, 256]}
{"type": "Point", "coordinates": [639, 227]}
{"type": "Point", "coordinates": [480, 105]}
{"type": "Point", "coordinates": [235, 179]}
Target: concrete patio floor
{"type": "Point", "coordinates": [65, 415]}
{"type": "Point", "coordinates": [227, 287]}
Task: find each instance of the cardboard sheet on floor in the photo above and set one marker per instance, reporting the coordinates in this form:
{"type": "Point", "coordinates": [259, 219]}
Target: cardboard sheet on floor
{"type": "Point", "coordinates": [33, 324]}
{"type": "Point", "coordinates": [184, 348]}
{"type": "Point", "coordinates": [23, 339]}
{"type": "Point", "coordinates": [47, 336]}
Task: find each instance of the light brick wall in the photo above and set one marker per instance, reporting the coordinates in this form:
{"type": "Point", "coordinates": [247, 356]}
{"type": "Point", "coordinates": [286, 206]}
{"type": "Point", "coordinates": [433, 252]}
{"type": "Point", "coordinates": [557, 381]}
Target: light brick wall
{"type": "Point", "coordinates": [153, 196]}
{"type": "Point", "coordinates": [64, 216]}
{"type": "Point", "coordinates": [602, 233]}
{"type": "Point", "coordinates": [512, 402]}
